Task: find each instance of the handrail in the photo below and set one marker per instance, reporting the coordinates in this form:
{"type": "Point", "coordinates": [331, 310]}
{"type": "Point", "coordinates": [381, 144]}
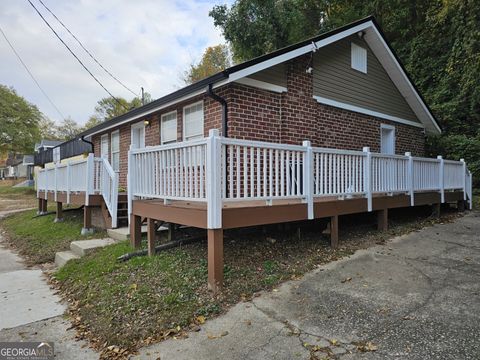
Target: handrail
{"type": "Point", "coordinates": [216, 170]}
{"type": "Point", "coordinates": [91, 176]}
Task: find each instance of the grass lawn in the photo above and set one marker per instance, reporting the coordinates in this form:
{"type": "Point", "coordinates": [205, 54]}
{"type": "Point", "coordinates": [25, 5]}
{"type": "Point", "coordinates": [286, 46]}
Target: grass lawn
{"type": "Point", "coordinates": [12, 198]}
{"type": "Point", "coordinates": [146, 299]}
{"type": "Point", "coordinates": [39, 238]}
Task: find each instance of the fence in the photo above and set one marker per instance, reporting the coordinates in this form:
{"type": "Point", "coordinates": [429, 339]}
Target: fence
{"type": "Point", "coordinates": [92, 176]}
{"type": "Point", "coordinates": [217, 170]}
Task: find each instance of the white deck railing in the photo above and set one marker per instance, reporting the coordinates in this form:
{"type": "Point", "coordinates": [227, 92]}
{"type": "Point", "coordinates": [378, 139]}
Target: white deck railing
{"type": "Point", "coordinates": [216, 170]}
{"type": "Point", "coordinates": [91, 176]}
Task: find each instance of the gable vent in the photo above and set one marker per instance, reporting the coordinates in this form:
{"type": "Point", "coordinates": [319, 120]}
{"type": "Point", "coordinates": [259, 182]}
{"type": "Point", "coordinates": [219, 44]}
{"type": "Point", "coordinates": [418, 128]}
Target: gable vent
{"type": "Point", "coordinates": [359, 58]}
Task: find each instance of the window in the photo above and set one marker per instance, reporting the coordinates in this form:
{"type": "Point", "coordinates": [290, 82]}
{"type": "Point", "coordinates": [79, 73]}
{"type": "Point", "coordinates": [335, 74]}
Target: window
{"type": "Point", "coordinates": [138, 135]}
{"type": "Point", "coordinates": [387, 139]}
{"type": "Point", "coordinates": [104, 146]}
{"type": "Point", "coordinates": [193, 121]}
{"type": "Point", "coordinates": [359, 58]}
{"type": "Point", "coordinates": [168, 130]}
{"type": "Point", "coordinates": [115, 146]}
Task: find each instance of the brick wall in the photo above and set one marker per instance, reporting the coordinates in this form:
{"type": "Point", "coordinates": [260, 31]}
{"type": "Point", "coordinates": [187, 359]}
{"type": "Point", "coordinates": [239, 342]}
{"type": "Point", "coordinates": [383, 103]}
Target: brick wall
{"type": "Point", "coordinates": [288, 117]}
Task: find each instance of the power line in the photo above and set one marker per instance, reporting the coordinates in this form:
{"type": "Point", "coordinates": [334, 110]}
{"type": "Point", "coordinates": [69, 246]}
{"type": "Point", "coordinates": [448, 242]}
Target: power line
{"type": "Point", "coordinates": [31, 75]}
{"type": "Point", "coordinates": [76, 57]}
{"type": "Point", "coordinates": [88, 52]}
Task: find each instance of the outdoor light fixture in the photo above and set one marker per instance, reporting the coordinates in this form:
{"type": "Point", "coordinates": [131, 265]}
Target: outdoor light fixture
{"type": "Point", "coordinates": [146, 123]}
{"type": "Point", "coordinates": [361, 34]}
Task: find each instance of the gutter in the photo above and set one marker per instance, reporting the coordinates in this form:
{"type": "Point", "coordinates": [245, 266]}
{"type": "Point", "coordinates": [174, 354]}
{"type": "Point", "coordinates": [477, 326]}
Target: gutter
{"type": "Point", "coordinates": [88, 142]}
{"type": "Point", "coordinates": [223, 102]}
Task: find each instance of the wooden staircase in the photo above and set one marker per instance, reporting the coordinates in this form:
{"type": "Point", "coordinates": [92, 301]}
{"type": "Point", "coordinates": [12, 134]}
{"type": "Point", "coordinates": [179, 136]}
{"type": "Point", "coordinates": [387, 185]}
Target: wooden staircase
{"type": "Point", "coordinates": [122, 212]}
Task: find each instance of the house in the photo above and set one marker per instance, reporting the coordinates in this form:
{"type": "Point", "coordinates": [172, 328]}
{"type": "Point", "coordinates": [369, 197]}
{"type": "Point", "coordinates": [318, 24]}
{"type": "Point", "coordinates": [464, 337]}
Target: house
{"type": "Point", "coordinates": [329, 126]}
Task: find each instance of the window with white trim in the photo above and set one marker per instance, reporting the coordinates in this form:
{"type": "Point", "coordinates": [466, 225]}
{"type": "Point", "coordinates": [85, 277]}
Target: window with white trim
{"type": "Point", "coordinates": [168, 128]}
{"type": "Point", "coordinates": [56, 154]}
{"type": "Point", "coordinates": [115, 148]}
{"type": "Point", "coordinates": [387, 139]}
{"type": "Point", "coordinates": [104, 146]}
{"type": "Point", "coordinates": [193, 121]}
{"type": "Point", "coordinates": [359, 58]}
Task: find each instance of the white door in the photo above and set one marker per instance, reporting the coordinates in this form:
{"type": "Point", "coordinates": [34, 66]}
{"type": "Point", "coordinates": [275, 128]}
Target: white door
{"type": "Point", "coordinates": [138, 135]}
{"type": "Point", "coordinates": [387, 140]}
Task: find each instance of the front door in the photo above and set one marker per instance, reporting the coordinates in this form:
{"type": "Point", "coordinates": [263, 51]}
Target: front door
{"type": "Point", "coordinates": [387, 140]}
{"type": "Point", "coordinates": [138, 135]}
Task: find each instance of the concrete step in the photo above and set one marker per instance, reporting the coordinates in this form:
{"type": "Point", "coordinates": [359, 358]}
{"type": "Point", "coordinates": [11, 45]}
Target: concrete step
{"type": "Point", "coordinates": [123, 233]}
{"type": "Point", "coordinates": [84, 247]}
{"type": "Point", "coordinates": [62, 257]}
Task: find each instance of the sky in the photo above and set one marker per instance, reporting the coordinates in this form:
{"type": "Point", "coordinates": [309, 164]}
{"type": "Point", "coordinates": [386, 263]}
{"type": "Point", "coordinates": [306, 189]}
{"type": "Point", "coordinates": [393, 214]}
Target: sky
{"type": "Point", "coordinates": [145, 43]}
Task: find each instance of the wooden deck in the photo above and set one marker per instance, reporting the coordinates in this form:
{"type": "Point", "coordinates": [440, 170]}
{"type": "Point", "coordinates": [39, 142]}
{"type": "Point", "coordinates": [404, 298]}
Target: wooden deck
{"type": "Point", "coordinates": [237, 214]}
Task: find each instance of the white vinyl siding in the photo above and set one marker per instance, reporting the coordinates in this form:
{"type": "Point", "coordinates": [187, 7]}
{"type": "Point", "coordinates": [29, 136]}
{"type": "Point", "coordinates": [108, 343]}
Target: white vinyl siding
{"type": "Point", "coordinates": [115, 146]}
{"type": "Point", "coordinates": [104, 147]}
{"type": "Point", "coordinates": [168, 131]}
{"type": "Point", "coordinates": [193, 121]}
{"type": "Point", "coordinates": [359, 58]}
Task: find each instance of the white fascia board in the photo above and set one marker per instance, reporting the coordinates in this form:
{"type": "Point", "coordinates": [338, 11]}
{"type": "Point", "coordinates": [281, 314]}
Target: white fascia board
{"type": "Point", "coordinates": [361, 110]}
{"type": "Point", "coordinates": [155, 109]}
{"type": "Point", "coordinates": [394, 70]}
{"type": "Point", "coordinates": [262, 85]}
{"type": "Point", "coordinates": [298, 52]}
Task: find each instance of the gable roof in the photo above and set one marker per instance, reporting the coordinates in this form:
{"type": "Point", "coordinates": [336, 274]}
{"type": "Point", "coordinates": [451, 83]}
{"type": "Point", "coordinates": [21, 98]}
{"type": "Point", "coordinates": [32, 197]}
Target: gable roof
{"type": "Point", "coordinates": [373, 35]}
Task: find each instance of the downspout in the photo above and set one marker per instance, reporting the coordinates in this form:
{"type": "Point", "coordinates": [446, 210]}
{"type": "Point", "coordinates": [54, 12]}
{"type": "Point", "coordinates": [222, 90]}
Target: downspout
{"type": "Point", "coordinates": [223, 102]}
{"type": "Point", "coordinates": [88, 142]}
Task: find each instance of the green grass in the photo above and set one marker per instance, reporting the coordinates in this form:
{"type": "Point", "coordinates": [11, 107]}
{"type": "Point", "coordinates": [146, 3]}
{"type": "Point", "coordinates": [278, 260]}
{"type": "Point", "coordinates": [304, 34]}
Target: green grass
{"type": "Point", "coordinates": [39, 238]}
{"type": "Point", "coordinates": [10, 190]}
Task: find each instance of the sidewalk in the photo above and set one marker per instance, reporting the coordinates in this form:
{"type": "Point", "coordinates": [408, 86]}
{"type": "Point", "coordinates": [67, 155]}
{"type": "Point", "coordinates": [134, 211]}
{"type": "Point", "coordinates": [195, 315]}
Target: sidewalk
{"type": "Point", "coordinates": [417, 297]}
{"type": "Point", "coordinates": [30, 311]}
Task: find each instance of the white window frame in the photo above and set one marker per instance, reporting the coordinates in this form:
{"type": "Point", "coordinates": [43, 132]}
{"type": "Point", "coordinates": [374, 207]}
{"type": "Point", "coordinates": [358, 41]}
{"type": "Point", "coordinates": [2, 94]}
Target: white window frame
{"type": "Point", "coordinates": [112, 135]}
{"type": "Point", "coordinates": [394, 139]}
{"type": "Point", "coordinates": [133, 127]}
{"type": "Point", "coordinates": [162, 141]}
{"type": "Point", "coordinates": [358, 58]}
{"type": "Point", "coordinates": [192, 137]}
{"type": "Point", "coordinates": [106, 154]}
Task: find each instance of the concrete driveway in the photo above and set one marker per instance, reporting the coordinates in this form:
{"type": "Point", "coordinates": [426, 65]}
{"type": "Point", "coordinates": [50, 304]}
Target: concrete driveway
{"type": "Point", "coordinates": [417, 297]}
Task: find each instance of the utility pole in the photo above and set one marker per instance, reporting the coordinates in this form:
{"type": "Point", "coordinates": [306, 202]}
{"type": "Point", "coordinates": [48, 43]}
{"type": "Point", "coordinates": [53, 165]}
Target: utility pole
{"type": "Point", "coordinates": [143, 96]}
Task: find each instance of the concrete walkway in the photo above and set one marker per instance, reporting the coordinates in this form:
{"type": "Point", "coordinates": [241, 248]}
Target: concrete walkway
{"type": "Point", "coordinates": [418, 297]}
{"type": "Point", "coordinates": [30, 311]}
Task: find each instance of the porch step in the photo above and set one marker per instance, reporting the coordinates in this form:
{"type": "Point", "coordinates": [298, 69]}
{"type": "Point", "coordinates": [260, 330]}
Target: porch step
{"type": "Point", "coordinates": [123, 233]}
{"type": "Point", "coordinates": [62, 257]}
{"type": "Point", "coordinates": [83, 247]}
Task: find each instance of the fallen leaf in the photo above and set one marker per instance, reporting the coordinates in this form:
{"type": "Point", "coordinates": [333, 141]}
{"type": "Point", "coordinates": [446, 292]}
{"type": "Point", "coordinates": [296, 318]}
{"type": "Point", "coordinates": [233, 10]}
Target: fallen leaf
{"type": "Point", "coordinates": [334, 342]}
{"type": "Point", "coordinates": [346, 279]}
{"type": "Point", "coordinates": [200, 319]}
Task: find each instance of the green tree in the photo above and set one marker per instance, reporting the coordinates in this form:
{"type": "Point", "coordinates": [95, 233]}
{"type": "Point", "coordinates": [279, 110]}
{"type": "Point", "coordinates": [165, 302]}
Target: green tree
{"type": "Point", "coordinates": [214, 59]}
{"type": "Point", "coordinates": [19, 122]}
{"type": "Point", "coordinates": [68, 129]}
{"type": "Point", "coordinates": [108, 108]}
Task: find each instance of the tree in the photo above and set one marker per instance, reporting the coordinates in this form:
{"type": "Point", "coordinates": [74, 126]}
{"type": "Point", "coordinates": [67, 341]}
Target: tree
{"type": "Point", "coordinates": [19, 123]}
{"type": "Point", "coordinates": [108, 108]}
{"type": "Point", "coordinates": [48, 129]}
{"type": "Point", "coordinates": [68, 129]}
{"type": "Point", "coordinates": [437, 40]}
{"type": "Point", "coordinates": [214, 60]}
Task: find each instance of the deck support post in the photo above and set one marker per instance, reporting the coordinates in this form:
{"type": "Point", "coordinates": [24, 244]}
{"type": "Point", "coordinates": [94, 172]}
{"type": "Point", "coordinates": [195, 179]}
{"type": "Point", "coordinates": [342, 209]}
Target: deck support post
{"type": "Point", "coordinates": [135, 231]}
{"type": "Point", "coordinates": [171, 232]}
{"type": "Point", "coordinates": [40, 206]}
{"type": "Point", "coordinates": [334, 231]}
{"type": "Point", "coordinates": [151, 236]}
{"type": "Point", "coordinates": [87, 220]}
{"type": "Point", "coordinates": [382, 220]}
{"type": "Point", "coordinates": [461, 205]}
{"type": "Point", "coordinates": [43, 205]}
{"type": "Point", "coordinates": [59, 213]}
{"type": "Point", "coordinates": [436, 210]}
{"type": "Point", "coordinates": [215, 260]}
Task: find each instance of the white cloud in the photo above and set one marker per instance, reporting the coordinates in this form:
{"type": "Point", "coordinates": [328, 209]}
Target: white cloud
{"type": "Point", "coordinates": [145, 43]}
